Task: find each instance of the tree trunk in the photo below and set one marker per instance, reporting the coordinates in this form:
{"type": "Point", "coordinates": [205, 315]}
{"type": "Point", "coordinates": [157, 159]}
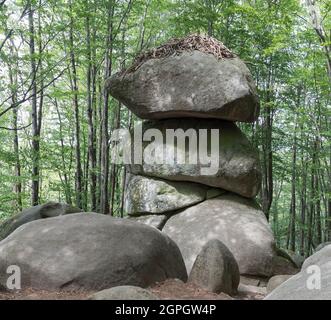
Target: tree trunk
{"type": "Point", "coordinates": [104, 185]}
{"type": "Point", "coordinates": [113, 174]}
{"type": "Point", "coordinates": [90, 114]}
{"type": "Point", "coordinates": [74, 84]}
{"type": "Point", "coordinates": [303, 198]}
{"type": "Point", "coordinates": [66, 182]}
{"type": "Point", "coordinates": [18, 183]}
{"type": "Point", "coordinates": [293, 194]}
{"type": "Point", "coordinates": [34, 114]}
{"type": "Point", "coordinates": [267, 183]}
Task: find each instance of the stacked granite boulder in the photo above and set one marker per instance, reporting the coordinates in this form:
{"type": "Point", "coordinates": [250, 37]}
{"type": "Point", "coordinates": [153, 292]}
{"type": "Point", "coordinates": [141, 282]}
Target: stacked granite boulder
{"type": "Point", "coordinates": [198, 83]}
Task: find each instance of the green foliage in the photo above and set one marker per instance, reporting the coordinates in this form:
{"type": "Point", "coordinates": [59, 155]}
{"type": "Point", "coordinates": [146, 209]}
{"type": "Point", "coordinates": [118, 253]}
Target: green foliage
{"type": "Point", "coordinates": [275, 38]}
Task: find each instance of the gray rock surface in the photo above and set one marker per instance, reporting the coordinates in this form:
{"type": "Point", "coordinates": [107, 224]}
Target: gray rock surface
{"type": "Point", "coordinates": [320, 257]}
{"type": "Point", "coordinates": [90, 251]}
{"type": "Point", "coordinates": [124, 293]}
{"type": "Point", "coordinates": [238, 222]}
{"type": "Point", "coordinates": [281, 265]}
{"type": "Point", "coordinates": [156, 221]}
{"type": "Point", "coordinates": [216, 269]}
{"type": "Point", "coordinates": [193, 84]}
{"type": "Point", "coordinates": [296, 259]}
{"type": "Point", "coordinates": [276, 281]}
{"type": "Point", "coordinates": [245, 289]}
{"type": "Point", "coordinates": [145, 195]}
{"type": "Point", "coordinates": [48, 210]}
{"type": "Point", "coordinates": [312, 283]}
{"type": "Point", "coordinates": [322, 245]}
{"type": "Point", "coordinates": [235, 166]}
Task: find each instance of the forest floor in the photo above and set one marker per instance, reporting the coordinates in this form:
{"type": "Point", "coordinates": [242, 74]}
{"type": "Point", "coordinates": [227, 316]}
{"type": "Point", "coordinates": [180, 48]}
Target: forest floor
{"type": "Point", "coordinates": [168, 290]}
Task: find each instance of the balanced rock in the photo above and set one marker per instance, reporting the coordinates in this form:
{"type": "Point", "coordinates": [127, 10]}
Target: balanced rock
{"type": "Point", "coordinates": [312, 283]}
{"type": "Point", "coordinates": [124, 293]}
{"type": "Point", "coordinates": [145, 195]}
{"type": "Point", "coordinates": [191, 84]}
{"type": "Point", "coordinates": [90, 251]}
{"type": "Point", "coordinates": [48, 210]}
{"type": "Point", "coordinates": [216, 269]}
{"type": "Point", "coordinates": [237, 222]}
{"type": "Point", "coordinates": [233, 165]}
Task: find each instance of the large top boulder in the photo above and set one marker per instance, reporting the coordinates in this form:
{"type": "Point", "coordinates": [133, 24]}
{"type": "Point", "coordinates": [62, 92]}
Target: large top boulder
{"type": "Point", "coordinates": [90, 251]}
{"type": "Point", "coordinates": [237, 222]}
{"type": "Point", "coordinates": [196, 80]}
{"type": "Point", "coordinates": [234, 166]}
{"type": "Point", "coordinates": [48, 210]}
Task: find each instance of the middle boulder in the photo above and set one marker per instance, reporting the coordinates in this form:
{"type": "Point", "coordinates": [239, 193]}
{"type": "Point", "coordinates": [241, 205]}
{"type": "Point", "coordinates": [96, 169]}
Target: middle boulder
{"type": "Point", "coordinates": [234, 163]}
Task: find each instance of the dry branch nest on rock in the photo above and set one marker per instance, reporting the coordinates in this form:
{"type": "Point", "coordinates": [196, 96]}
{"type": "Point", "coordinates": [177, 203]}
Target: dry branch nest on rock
{"type": "Point", "coordinates": [176, 46]}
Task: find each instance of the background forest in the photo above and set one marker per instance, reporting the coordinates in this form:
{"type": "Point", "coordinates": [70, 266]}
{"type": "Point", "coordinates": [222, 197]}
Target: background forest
{"type": "Point", "coordinates": [55, 117]}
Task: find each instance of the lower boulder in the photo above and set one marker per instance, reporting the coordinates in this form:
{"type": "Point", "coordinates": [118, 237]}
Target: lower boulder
{"type": "Point", "coordinates": [216, 269]}
{"type": "Point", "coordinates": [276, 281]}
{"type": "Point", "coordinates": [90, 251]}
{"type": "Point", "coordinates": [320, 257]}
{"type": "Point", "coordinates": [236, 221]}
{"type": "Point", "coordinates": [322, 245]}
{"type": "Point", "coordinates": [156, 221]}
{"type": "Point", "coordinates": [282, 265]}
{"type": "Point", "coordinates": [48, 210]}
{"type": "Point", "coordinates": [124, 293]}
{"type": "Point", "coordinates": [312, 283]}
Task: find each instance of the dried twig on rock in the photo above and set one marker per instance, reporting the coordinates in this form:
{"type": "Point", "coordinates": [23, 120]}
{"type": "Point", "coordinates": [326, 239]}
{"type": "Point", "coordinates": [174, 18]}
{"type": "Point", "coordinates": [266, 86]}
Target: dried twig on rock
{"type": "Point", "coordinates": [174, 47]}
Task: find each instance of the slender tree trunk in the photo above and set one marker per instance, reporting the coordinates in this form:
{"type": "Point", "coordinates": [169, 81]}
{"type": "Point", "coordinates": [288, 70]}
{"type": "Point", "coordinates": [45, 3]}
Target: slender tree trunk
{"type": "Point", "coordinates": [41, 93]}
{"type": "Point", "coordinates": [67, 189]}
{"type": "Point", "coordinates": [13, 82]}
{"type": "Point", "coordinates": [79, 171]}
{"type": "Point", "coordinates": [113, 170]}
{"type": "Point", "coordinates": [18, 183]}
{"type": "Point", "coordinates": [312, 202]}
{"type": "Point", "coordinates": [317, 195]}
{"type": "Point", "coordinates": [90, 114]}
{"type": "Point", "coordinates": [293, 194]}
{"type": "Point", "coordinates": [303, 199]}
{"type": "Point", "coordinates": [99, 150]}
{"type": "Point", "coordinates": [104, 187]}
{"type": "Point", "coordinates": [267, 183]}
{"type": "Point", "coordinates": [34, 113]}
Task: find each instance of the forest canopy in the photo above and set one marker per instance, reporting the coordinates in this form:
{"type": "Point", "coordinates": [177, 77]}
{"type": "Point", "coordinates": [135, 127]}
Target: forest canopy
{"type": "Point", "coordinates": [56, 117]}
